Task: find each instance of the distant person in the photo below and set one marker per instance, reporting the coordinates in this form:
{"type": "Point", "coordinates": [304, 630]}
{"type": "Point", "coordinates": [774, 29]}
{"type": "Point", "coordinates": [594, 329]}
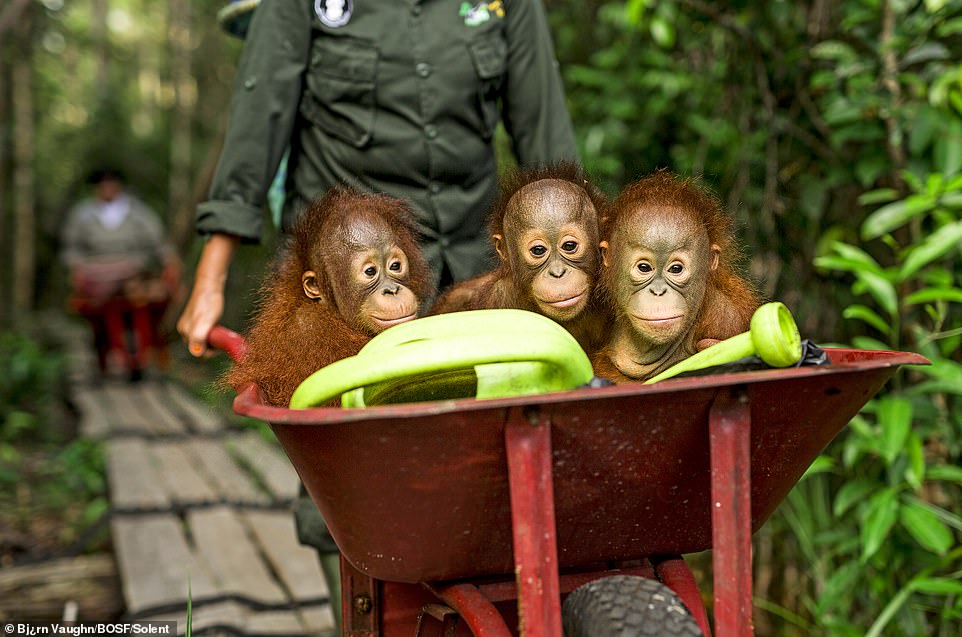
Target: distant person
{"type": "Point", "coordinates": [122, 273]}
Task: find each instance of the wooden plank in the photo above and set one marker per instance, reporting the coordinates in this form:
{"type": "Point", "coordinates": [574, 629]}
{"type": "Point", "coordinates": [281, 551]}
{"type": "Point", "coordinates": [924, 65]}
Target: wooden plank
{"type": "Point", "coordinates": [156, 564]}
{"type": "Point", "coordinates": [38, 591]}
{"type": "Point", "coordinates": [128, 413]}
{"type": "Point", "coordinates": [182, 480]}
{"type": "Point", "coordinates": [153, 397]}
{"type": "Point", "coordinates": [234, 561]}
{"type": "Point", "coordinates": [232, 483]}
{"type": "Point", "coordinates": [228, 615]}
{"type": "Point", "coordinates": [318, 619]}
{"type": "Point", "coordinates": [296, 565]}
{"type": "Point", "coordinates": [95, 421]}
{"type": "Point", "coordinates": [269, 462]}
{"type": "Point", "coordinates": [275, 622]}
{"type": "Point", "coordinates": [199, 416]}
{"type": "Point", "coordinates": [132, 477]}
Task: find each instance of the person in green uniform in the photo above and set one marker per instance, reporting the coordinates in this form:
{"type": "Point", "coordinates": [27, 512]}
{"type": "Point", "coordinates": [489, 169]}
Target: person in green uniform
{"type": "Point", "coordinates": [400, 97]}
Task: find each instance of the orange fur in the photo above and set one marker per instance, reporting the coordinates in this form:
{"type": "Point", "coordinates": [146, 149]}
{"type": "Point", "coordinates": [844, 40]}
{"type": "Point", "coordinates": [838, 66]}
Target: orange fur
{"type": "Point", "coordinates": [292, 336]}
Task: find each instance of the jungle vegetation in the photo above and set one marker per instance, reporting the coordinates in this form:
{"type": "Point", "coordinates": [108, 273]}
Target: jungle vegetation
{"type": "Point", "coordinates": [832, 129]}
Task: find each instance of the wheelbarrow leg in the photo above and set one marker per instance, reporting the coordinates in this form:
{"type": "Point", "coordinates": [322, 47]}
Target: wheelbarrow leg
{"type": "Point", "coordinates": [729, 428]}
{"type": "Point", "coordinates": [675, 574]}
{"type": "Point", "coordinates": [528, 443]}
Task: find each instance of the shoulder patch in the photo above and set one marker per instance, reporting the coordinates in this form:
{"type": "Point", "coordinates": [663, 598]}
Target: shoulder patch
{"type": "Point", "coordinates": [334, 13]}
{"type": "Point", "coordinates": [481, 12]}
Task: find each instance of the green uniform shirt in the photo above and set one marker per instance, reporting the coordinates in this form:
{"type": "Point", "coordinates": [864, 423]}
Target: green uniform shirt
{"type": "Point", "coordinates": [393, 96]}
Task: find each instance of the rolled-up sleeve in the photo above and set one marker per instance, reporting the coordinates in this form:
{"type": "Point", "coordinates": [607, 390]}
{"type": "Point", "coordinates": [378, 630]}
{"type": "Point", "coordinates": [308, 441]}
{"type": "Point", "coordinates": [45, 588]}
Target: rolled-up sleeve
{"type": "Point", "coordinates": [267, 93]}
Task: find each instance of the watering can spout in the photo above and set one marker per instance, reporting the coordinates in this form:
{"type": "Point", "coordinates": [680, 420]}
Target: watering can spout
{"type": "Point", "coordinates": [773, 336]}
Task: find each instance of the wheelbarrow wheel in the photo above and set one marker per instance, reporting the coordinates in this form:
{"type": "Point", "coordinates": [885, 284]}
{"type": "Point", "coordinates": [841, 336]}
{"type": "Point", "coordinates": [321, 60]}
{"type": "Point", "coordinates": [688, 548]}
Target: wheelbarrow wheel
{"type": "Point", "coordinates": [626, 606]}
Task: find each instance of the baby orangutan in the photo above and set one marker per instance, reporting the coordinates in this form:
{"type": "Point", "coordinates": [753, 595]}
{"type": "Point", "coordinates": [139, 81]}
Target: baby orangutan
{"type": "Point", "coordinates": [668, 274]}
{"type": "Point", "coordinates": [545, 231]}
{"type": "Point", "coordinates": [351, 269]}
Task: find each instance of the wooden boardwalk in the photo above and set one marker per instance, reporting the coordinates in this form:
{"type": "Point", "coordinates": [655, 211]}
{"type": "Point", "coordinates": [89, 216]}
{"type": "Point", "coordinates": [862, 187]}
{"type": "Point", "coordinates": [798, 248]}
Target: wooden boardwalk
{"type": "Point", "coordinates": [195, 503]}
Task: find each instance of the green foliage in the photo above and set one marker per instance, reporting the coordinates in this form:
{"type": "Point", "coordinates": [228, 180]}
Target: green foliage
{"type": "Point", "coordinates": [42, 470]}
{"type": "Point", "coordinates": [29, 387]}
{"type": "Point", "coordinates": [899, 479]}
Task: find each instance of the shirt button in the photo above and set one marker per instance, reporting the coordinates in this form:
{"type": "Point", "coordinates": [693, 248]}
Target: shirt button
{"type": "Point", "coordinates": [445, 242]}
{"type": "Point", "coordinates": [434, 187]}
{"type": "Point", "coordinates": [416, 10]}
{"type": "Point", "coordinates": [423, 69]}
{"type": "Point", "coordinates": [431, 131]}
{"type": "Point", "coordinates": [250, 83]}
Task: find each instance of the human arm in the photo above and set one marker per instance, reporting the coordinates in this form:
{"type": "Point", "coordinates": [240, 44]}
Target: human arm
{"type": "Point", "coordinates": [534, 110]}
{"type": "Point", "coordinates": [206, 303]}
{"type": "Point", "coordinates": [71, 240]}
{"type": "Point", "coordinates": [267, 93]}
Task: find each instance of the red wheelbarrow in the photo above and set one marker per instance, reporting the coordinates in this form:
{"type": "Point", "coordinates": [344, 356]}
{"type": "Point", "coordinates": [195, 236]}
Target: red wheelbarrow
{"type": "Point", "coordinates": [461, 517]}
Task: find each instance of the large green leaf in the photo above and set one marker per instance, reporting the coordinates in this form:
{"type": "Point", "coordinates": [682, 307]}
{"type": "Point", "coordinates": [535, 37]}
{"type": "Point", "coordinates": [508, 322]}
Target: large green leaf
{"type": "Point", "coordinates": [947, 472]}
{"type": "Point", "coordinates": [837, 585]}
{"type": "Point", "coordinates": [896, 215]}
{"type": "Point", "coordinates": [931, 295]}
{"type": "Point", "coordinates": [935, 246]}
{"type": "Point", "coordinates": [895, 420]}
{"type": "Point", "coordinates": [915, 472]}
{"type": "Point", "coordinates": [865, 314]}
{"type": "Point", "coordinates": [877, 196]}
{"type": "Point", "coordinates": [833, 50]}
{"type": "Point", "coordinates": [948, 149]}
{"type": "Point", "coordinates": [855, 253]}
{"type": "Point", "coordinates": [937, 585]}
{"type": "Point", "coordinates": [852, 492]}
{"type": "Point", "coordinates": [881, 290]}
{"type": "Point", "coordinates": [925, 528]}
{"type": "Point", "coordinates": [952, 519]}
{"type": "Point", "coordinates": [880, 516]}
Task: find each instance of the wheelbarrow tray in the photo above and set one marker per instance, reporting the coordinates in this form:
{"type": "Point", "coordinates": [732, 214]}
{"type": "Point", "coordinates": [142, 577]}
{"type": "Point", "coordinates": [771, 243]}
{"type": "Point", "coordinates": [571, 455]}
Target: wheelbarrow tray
{"type": "Point", "coordinates": [419, 492]}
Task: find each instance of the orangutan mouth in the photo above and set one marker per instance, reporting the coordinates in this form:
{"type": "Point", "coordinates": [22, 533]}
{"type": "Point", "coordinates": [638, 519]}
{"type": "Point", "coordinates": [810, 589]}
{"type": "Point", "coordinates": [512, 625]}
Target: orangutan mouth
{"type": "Point", "coordinates": [660, 320]}
{"type": "Point", "coordinates": [389, 322]}
{"type": "Point", "coordinates": [564, 303]}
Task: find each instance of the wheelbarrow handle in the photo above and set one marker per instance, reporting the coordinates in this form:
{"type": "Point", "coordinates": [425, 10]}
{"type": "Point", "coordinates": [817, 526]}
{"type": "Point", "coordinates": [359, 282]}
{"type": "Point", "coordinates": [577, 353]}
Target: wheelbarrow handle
{"type": "Point", "coordinates": [228, 341]}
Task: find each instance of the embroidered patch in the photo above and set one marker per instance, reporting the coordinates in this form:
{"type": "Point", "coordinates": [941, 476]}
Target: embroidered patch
{"type": "Point", "coordinates": [481, 12]}
{"type": "Point", "coordinates": [334, 13]}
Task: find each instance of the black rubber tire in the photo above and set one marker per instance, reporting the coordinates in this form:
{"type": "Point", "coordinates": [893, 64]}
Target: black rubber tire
{"type": "Point", "coordinates": [626, 606]}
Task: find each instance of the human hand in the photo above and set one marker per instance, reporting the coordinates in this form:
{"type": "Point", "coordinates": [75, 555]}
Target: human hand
{"type": "Point", "coordinates": [206, 304]}
{"type": "Point", "coordinates": [204, 309]}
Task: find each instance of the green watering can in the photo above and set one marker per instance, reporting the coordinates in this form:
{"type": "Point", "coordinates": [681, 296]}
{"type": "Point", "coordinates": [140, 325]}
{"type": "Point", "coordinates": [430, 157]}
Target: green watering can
{"type": "Point", "coordinates": [478, 353]}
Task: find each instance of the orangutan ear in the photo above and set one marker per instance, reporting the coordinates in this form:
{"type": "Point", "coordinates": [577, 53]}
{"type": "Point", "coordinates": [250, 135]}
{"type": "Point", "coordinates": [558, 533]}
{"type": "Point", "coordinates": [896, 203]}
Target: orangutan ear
{"type": "Point", "coordinates": [715, 251]}
{"type": "Point", "coordinates": [312, 288]}
{"type": "Point", "coordinates": [604, 253]}
{"type": "Point", "coordinates": [499, 246]}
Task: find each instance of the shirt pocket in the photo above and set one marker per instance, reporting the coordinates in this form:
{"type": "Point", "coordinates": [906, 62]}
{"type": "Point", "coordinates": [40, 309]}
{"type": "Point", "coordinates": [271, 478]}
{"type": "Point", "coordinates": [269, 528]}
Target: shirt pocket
{"type": "Point", "coordinates": [489, 52]}
{"type": "Point", "coordinates": [340, 88]}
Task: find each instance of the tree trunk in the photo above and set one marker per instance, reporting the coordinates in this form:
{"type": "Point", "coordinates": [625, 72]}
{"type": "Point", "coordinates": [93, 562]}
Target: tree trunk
{"type": "Point", "coordinates": [185, 90]}
{"type": "Point", "coordinates": [24, 230]}
{"type": "Point", "coordinates": [98, 28]}
{"type": "Point", "coordinates": [39, 591]}
{"type": "Point", "coordinates": [6, 241]}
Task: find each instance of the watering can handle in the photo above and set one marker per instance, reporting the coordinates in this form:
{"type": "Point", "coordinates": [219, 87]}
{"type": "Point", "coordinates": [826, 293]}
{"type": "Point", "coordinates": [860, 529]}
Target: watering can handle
{"type": "Point", "coordinates": [448, 342]}
{"type": "Point", "coordinates": [228, 341]}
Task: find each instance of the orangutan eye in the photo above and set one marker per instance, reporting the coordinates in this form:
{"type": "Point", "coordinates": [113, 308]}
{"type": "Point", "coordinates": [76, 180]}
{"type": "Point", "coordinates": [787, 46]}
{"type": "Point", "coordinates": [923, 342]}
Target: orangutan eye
{"type": "Point", "coordinates": [539, 251]}
{"type": "Point", "coordinates": [644, 267]}
{"type": "Point", "coordinates": [370, 270]}
{"type": "Point", "coordinates": [676, 268]}
{"type": "Point", "coordinates": [395, 266]}
{"type": "Point", "coordinates": [569, 246]}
